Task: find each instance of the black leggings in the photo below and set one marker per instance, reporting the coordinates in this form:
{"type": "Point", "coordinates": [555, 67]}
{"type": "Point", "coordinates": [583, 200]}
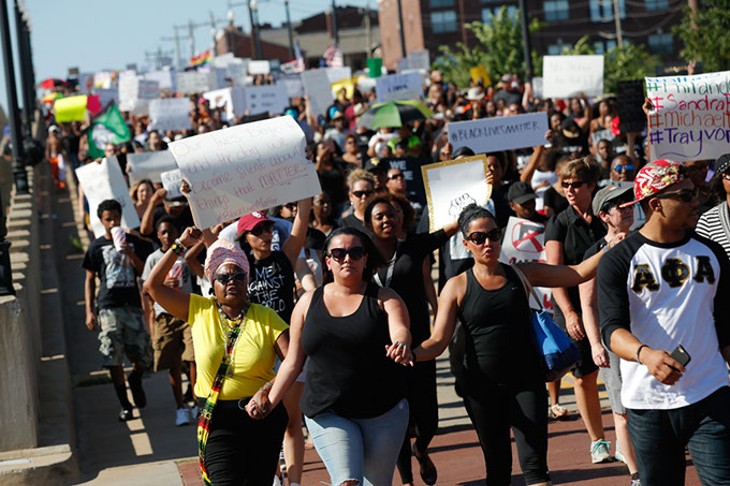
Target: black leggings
{"type": "Point", "coordinates": [493, 410]}
{"type": "Point", "coordinates": [244, 451]}
{"type": "Point", "coordinates": [424, 415]}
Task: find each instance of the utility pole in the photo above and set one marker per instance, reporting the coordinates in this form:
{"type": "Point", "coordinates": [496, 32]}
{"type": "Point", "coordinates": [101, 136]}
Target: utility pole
{"type": "Point", "coordinates": [335, 29]}
{"type": "Point", "coordinates": [617, 20]}
{"type": "Point", "coordinates": [24, 56]}
{"type": "Point", "coordinates": [368, 29]}
{"type": "Point", "coordinates": [289, 29]}
{"type": "Point", "coordinates": [400, 30]}
{"type": "Point", "coordinates": [255, 35]}
{"type": "Point", "coordinates": [526, 44]}
{"type": "Point", "coordinates": [156, 56]}
{"type": "Point", "coordinates": [176, 38]}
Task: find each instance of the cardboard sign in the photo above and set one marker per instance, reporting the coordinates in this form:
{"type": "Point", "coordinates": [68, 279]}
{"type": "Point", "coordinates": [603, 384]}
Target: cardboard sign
{"type": "Point", "coordinates": [524, 241]}
{"type": "Point", "coordinates": [499, 133]}
{"type": "Point", "coordinates": [690, 120]}
{"type": "Point", "coordinates": [104, 181]}
{"type": "Point", "coordinates": [630, 98]}
{"type": "Point", "coordinates": [171, 181]}
{"type": "Point", "coordinates": [453, 185]}
{"type": "Point", "coordinates": [317, 88]}
{"type": "Point", "coordinates": [70, 109]}
{"type": "Point", "coordinates": [170, 114]}
{"type": "Point", "coordinates": [269, 98]}
{"type": "Point", "coordinates": [259, 67]}
{"type": "Point", "coordinates": [399, 87]}
{"type": "Point", "coordinates": [232, 100]}
{"type": "Point", "coordinates": [245, 168]}
{"type": "Point", "coordinates": [149, 165]}
{"type": "Point", "coordinates": [419, 59]}
{"type": "Point", "coordinates": [566, 76]}
{"type": "Point", "coordinates": [195, 82]}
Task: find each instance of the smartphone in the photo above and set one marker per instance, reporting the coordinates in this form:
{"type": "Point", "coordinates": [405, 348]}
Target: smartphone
{"type": "Point", "coordinates": [681, 355]}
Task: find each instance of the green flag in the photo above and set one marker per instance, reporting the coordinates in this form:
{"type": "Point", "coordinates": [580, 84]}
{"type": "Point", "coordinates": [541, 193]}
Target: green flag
{"type": "Point", "coordinates": [107, 126]}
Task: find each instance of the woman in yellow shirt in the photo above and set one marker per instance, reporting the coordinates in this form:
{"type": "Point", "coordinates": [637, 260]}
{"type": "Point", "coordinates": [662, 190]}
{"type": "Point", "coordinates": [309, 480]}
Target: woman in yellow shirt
{"type": "Point", "coordinates": [236, 346]}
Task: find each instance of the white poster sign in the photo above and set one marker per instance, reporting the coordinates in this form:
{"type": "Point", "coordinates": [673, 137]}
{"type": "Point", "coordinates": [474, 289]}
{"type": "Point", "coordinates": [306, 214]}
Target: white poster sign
{"type": "Point", "coordinates": [365, 84]}
{"type": "Point", "coordinates": [170, 114]}
{"type": "Point", "coordinates": [419, 60]}
{"type": "Point", "coordinates": [524, 241]}
{"type": "Point", "coordinates": [499, 133]}
{"type": "Point", "coordinates": [335, 74]}
{"type": "Point", "coordinates": [689, 120]}
{"type": "Point", "coordinates": [102, 181]}
{"type": "Point", "coordinates": [453, 185]}
{"type": "Point", "coordinates": [399, 87]}
{"type": "Point", "coordinates": [566, 76]}
{"type": "Point", "coordinates": [269, 98]}
{"type": "Point", "coordinates": [149, 165]}
{"type": "Point", "coordinates": [171, 182]}
{"type": "Point", "coordinates": [317, 87]}
{"type": "Point", "coordinates": [259, 67]}
{"type": "Point", "coordinates": [232, 100]}
{"type": "Point", "coordinates": [245, 168]}
{"type": "Point", "coordinates": [191, 82]}
{"type": "Point", "coordinates": [294, 86]}
{"type": "Point", "coordinates": [107, 95]}
{"type": "Point", "coordinates": [103, 80]}
{"type": "Point", "coordinates": [133, 88]}
{"type": "Point", "coordinates": [165, 78]}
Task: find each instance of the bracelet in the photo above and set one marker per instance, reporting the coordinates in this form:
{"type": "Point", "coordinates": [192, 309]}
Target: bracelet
{"type": "Point", "coordinates": [638, 352]}
{"type": "Point", "coordinates": [266, 387]}
{"type": "Point", "coordinates": [177, 247]}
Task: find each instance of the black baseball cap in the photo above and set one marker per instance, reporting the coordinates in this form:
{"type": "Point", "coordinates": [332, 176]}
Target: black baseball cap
{"type": "Point", "coordinates": [520, 192]}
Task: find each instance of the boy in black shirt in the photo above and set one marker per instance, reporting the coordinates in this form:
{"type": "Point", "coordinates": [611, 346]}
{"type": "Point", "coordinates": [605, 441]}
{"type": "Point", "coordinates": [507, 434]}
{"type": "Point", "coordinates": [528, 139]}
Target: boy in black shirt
{"type": "Point", "coordinates": [120, 317]}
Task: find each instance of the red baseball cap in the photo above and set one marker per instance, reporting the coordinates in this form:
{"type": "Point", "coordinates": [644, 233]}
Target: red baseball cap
{"type": "Point", "coordinates": [250, 221]}
{"type": "Point", "coordinates": [654, 177]}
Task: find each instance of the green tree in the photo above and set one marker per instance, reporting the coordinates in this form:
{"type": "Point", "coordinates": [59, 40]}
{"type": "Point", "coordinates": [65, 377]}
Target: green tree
{"type": "Point", "coordinates": [498, 49]}
{"type": "Point", "coordinates": [705, 35]}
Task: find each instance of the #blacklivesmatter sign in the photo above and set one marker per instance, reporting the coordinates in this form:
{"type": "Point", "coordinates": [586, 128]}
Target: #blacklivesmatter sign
{"type": "Point", "coordinates": [691, 116]}
{"type": "Point", "coordinates": [499, 133]}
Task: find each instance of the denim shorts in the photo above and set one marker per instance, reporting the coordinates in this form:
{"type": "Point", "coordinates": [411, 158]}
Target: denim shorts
{"type": "Point", "coordinates": [123, 332]}
{"type": "Point", "coordinates": [362, 450]}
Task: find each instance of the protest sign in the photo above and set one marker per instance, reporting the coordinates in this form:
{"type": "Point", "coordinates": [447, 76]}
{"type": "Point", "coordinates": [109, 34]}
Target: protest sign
{"type": "Point", "coordinates": [411, 168]}
{"type": "Point", "coordinates": [317, 87]}
{"type": "Point", "coordinates": [335, 74]}
{"type": "Point", "coordinates": [171, 182]}
{"type": "Point", "coordinates": [399, 87]}
{"type": "Point", "coordinates": [294, 85]}
{"type": "Point", "coordinates": [170, 114]}
{"type": "Point", "coordinates": [165, 78]}
{"type": "Point", "coordinates": [691, 116]}
{"type": "Point", "coordinates": [70, 109]}
{"type": "Point", "coordinates": [133, 88]}
{"type": "Point", "coordinates": [537, 87]}
{"type": "Point", "coordinates": [102, 181]}
{"type": "Point", "coordinates": [245, 168]}
{"type": "Point", "coordinates": [480, 72]}
{"type": "Point", "coordinates": [107, 95]}
{"type": "Point", "coordinates": [191, 82]}
{"type": "Point", "coordinates": [269, 98]}
{"type": "Point", "coordinates": [233, 100]}
{"type": "Point", "coordinates": [524, 241]}
{"type": "Point", "coordinates": [103, 80]}
{"type": "Point", "coordinates": [366, 84]}
{"type": "Point", "coordinates": [499, 133]}
{"type": "Point", "coordinates": [346, 83]}
{"type": "Point", "coordinates": [419, 60]}
{"type": "Point", "coordinates": [259, 67]}
{"type": "Point", "coordinates": [149, 165]}
{"type": "Point", "coordinates": [566, 76]}
{"type": "Point", "coordinates": [453, 185]}
{"type": "Point", "coordinates": [630, 98]}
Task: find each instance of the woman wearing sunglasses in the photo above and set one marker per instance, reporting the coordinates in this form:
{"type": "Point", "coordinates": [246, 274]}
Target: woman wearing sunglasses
{"type": "Point", "coordinates": [503, 381]}
{"type": "Point", "coordinates": [403, 272]}
{"type": "Point", "coordinates": [355, 338]}
{"type": "Point", "coordinates": [236, 345]}
{"type": "Point", "coordinates": [362, 187]}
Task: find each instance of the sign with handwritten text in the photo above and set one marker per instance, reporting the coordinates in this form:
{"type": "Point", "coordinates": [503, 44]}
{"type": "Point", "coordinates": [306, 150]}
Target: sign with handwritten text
{"type": "Point", "coordinates": [499, 133]}
{"type": "Point", "coordinates": [149, 165]}
{"type": "Point", "coordinates": [170, 114]}
{"type": "Point", "coordinates": [245, 168]}
{"type": "Point", "coordinates": [691, 116]}
{"type": "Point", "coordinates": [453, 185]}
{"type": "Point", "coordinates": [317, 87]}
{"type": "Point", "coordinates": [171, 181]}
{"type": "Point", "coordinates": [399, 87]}
{"type": "Point", "coordinates": [566, 76]}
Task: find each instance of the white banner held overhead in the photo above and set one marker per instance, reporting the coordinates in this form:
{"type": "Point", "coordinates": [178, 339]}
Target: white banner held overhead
{"type": "Point", "coordinates": [317, 87]}
{"type": "Point", "coordinates": [149, 165]}
{"type": "Point", "coordinates": [499, 133]}
{"type": "Point", "coordinates": [102, 181]}
{"type": "Point", "coordinates": [453, 185]}
{"type": "Point", "coordinates": [245, 168]}
{"type": "Point", "coordinates": [566, 76]}
{"type": "Point", "coordinates": [192, 82]}
{"type": "Point", "coordinates": [399, 87]}
{"type": "Point", "coordinates": [335, 74]}
{"type": "Point", "coordinates": [171, 181]}
{"type": "Point", "coordinates": [170, 114]}
{"type": "Point", "coordinates": [259, 67]}
{"type": "Point", "coordinates": [134, 91]}
{"type": "Point", "coordinates": [269, 98]}
{"type": "Point", "coordinates": [691, 116]}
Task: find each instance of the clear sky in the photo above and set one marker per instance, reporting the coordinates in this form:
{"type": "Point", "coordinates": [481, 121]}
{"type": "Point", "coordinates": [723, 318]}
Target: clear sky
{"type": "Point", "coordinates": [98, 34]}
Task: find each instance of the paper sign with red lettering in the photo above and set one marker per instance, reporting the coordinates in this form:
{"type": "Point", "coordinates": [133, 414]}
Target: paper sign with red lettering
{"type": "Point", "coordinates": [691, 116]}
{"type": "Point", "coordinates": [245, 168]}
{"type": "Point", "coordinates": [524, 241]}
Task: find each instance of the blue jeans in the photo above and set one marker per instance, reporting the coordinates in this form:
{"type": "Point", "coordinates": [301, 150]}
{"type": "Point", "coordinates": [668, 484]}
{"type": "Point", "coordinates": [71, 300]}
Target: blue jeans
{"type": "Point", "coordinates": [363, 450]}
{"type": "Point", "coordinates": [659, 438]}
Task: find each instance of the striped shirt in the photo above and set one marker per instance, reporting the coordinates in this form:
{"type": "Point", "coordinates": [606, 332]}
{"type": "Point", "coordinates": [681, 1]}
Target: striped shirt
{"type": "Point", "coordinates": [715, 225]}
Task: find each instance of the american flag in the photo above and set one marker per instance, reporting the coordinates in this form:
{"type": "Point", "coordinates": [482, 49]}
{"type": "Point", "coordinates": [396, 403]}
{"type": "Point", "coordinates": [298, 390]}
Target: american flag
{"type": "Point", "coordinates": [297, 64]}
{"type": "Point", "coordinates": [333, 56]}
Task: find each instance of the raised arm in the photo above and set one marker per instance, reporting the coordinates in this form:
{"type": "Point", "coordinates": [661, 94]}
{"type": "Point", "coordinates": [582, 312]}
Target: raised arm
{"type": "Point", "coordinates": [531, 166]}
{"type": "Point", "coordinates": [148, 219]}
{"type": "Point", "coordinates": [294, 244]}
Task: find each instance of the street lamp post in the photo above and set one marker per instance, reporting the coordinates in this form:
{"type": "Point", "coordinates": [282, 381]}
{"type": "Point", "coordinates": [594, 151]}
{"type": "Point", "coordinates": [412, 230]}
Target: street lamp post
{"type": "Point", "coordinates": [526, 45]}
{"type": "Point", "coordinates": [253, 17]}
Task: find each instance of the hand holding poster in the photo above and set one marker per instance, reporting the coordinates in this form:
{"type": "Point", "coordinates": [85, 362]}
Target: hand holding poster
{"type": "Point", "coordinates": [170, 114]}
{"type": "Point", "coordinates": [102, 181]}
{"type": "Point", "coordinates": [399, 87]}
{"type": "Point", "coordinates": [245, 168]}
{"type": "Point", "coordinates": [453, 185]}
{"type": "Point", "coordinates": [566, 76]}
{"type": "Point", "coordinates": [691, 116]}
{"type": "Point", "coordinates": [149, 165]}
{"type": "Point", "coordinates": [171, 181]}
{"type": "Point", "coordinates": [499, 133]}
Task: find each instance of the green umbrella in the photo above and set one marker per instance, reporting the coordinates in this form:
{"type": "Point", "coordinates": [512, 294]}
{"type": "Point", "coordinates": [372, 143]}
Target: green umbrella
{"type": "Point", "coordinates": [394, 114]}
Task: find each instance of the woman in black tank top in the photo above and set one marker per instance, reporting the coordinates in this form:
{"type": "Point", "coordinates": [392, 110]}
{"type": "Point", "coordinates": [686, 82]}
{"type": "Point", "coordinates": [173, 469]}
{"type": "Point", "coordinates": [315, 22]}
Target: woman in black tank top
{"type": "Point", "coordinates": [503, 380]}
{"type": "Point", "coordinates": [356, 338]}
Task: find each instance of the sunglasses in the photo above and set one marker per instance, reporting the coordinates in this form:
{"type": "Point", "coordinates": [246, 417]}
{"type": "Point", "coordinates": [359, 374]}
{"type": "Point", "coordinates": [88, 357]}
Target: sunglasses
{"type": "Point", "coordinates": [224, 278]}
{"type": "Point", "coordinates": [338, 254]}
{"type": "Point", "coordinates": [362, 194]}
{"type": "Point", "coordinates": [685, 195]}
{"type": "Point", "coordinates": [262, 228]}
{"type": "Point", "coordinates": [726, 176]}
{"type": "Point", "coordinates": [624, 167]}
{"type": "Point", "coordinates": [395, 176]}
{"type": "Point", "coordinates": [480, 237]}
{"type": "Point", "coordinates": [321, 202]}
{"type": "Point", "coordinates": [574, 184]}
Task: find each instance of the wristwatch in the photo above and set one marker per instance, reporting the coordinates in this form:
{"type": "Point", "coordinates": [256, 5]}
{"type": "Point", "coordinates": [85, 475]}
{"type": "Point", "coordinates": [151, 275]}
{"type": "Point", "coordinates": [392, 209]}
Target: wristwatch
{"type": "Point", "coordinates": [177, 247]}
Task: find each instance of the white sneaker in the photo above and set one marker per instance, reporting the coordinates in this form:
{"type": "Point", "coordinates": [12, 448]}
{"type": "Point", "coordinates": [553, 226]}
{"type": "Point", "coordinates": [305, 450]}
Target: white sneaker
{"type": "Point", "coordinates": [182, 416]}
{"type": "Point", "coordinates": [600, 451]}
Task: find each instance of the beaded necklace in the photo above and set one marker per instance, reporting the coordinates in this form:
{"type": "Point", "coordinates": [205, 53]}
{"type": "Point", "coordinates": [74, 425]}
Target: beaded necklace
{"type": "Point", "coordinates": [231, 334]}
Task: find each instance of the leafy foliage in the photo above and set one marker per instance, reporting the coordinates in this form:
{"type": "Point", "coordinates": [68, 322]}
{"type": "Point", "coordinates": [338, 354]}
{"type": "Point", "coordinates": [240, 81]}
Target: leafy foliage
{"type": "Point", "coordinates": [709, 42]}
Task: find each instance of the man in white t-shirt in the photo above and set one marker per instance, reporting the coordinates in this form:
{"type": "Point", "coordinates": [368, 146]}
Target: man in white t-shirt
{"type": "Point", "coordinates": [661, 288]}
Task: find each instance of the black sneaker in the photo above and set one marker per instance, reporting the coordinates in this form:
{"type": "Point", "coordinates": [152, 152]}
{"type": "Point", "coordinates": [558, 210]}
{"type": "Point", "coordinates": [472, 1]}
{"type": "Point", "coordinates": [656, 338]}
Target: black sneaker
{"type": "Point", "coordinates": [135, 385]}
{"type": "Point", "coordinates": [126, 414]}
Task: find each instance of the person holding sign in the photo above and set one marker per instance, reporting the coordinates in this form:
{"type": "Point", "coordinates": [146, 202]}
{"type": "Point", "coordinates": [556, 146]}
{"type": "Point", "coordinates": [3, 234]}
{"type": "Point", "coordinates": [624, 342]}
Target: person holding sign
{"type": "Point", "coordinates": [504, 383]}
{"type": "Point", "coordinates": [236, 345]}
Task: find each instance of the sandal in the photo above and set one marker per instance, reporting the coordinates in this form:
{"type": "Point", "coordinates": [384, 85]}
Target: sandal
{"type": "Point", "coordinates": [557, 412]}
{"type": "Point", "coordinates": [429, 475]}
